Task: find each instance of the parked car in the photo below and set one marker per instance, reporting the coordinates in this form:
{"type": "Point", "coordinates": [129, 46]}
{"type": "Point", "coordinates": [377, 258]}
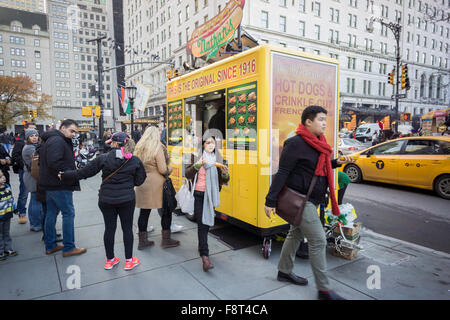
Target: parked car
{"type": "Point", "coordinates": [347, 146]}
{"type": "Point", "coordinates": [420, 162]}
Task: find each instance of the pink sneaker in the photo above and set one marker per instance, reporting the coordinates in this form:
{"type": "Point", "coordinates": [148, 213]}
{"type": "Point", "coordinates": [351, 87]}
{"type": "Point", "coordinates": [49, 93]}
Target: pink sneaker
{"type": "Point", "coordinates": [110, 264]}
{"type": "Point", "coordinates": [129, 265]}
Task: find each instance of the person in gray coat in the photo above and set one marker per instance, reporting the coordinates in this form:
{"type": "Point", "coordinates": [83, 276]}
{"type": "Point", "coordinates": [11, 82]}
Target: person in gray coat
{"type": "Point", "coordinates": [35, 211]}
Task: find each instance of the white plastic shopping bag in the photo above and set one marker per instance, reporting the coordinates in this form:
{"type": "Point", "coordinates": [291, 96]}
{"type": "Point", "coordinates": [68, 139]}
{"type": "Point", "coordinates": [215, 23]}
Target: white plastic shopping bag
{"type": "Point", "coordinates": [185, 197]}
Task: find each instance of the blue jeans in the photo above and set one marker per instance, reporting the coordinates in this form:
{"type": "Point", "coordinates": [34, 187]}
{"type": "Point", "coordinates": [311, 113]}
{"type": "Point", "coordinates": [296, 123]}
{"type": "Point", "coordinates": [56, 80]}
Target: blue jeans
{"type": "Point", "coordinates": [7, 147]}
{"type": "Point", "coordinates": [61, 200]}
{"type": "Point", "coordinates": [23, 196]}
{"type": "Point", "coordinates": [35, 213]}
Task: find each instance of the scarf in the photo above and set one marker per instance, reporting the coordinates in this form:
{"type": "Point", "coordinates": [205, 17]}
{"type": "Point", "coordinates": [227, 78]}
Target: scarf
{"type": "Point", "coordinates": [212, 199]}
{"type": "Point", "coordinates": [323, 168]}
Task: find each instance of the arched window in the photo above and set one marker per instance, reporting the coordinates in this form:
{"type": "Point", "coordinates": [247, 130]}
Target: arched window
{"type": "Point", "coordinates": [36, 29]}
{"type": "Point", "coordinates": [422, 86]}
{"type": "Point", "coordinates": [16, 26]}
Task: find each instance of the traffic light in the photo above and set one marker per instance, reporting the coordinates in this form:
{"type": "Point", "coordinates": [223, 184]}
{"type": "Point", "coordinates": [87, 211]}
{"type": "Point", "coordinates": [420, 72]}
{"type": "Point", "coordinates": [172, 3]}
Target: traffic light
{"type": "Point", "coordinates": [34, 113]}
{"type": "Point", "coordinates": [97, 111]}
{"type": "Point", "coordinates": [172, 73]}
{"type": "Point", "coordinates": [405, 78]}
{"type": "Point", "coordinates": [405, 116]}
{"type": "Point", "coordinates": [391, 77]}
{"type": "Point", "coordinates": [30, 113]}
{"type": "Point", "coordinates": [86, 112]}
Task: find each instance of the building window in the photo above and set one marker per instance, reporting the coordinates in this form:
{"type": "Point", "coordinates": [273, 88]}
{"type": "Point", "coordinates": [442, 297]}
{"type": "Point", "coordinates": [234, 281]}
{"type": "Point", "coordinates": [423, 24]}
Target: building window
{"type": "Point", "coordinates": [334, 36]}
{"type": "Point", "coordinates": [351, 63]}
{"type": "Point", "coordinates": [301, 7]}
{"type": "Point", "coordinates": [38, 65]}
{"type": "Point", "coordinates": [282, 24]}
{"type": "Point", "coordinates": [264, 19]}
{"type": "Point", "coordinates": [334, 15]}
{"type": "Point", "coordinates": [352, 20]}
{"type": "Point", "coordinates": [317, 32]}
{"type": "Point", "coordinates": [301, 28]}
{"type": "Point", "coordinates": [187, 12]}
{"type": "Point", "coordinates": [316, 8]}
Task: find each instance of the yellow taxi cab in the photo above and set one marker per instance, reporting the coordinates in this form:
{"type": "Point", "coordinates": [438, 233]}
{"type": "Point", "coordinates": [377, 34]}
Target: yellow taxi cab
{"type": "Point", "coordinates": [421, 162]}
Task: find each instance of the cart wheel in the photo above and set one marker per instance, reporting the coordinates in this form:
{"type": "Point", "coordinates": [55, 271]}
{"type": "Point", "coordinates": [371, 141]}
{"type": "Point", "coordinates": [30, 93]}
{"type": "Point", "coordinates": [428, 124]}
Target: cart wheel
{"type": "Point", "coordinates": [267, 248]}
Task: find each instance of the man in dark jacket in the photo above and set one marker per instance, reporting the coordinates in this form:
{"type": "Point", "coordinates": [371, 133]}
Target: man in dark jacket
{"type": "Point", "coordinates": [18, 166]}
{"type": "Point", "coordinates": [56, 155]}
{"type": "Point", "coordinates": [136, 134]}
{"type": "Point", "coordinates": [298, 164]}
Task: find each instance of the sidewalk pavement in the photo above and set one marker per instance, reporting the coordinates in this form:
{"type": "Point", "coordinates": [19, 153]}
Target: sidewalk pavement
{"type": "Point", "coordinates": [407, 271]}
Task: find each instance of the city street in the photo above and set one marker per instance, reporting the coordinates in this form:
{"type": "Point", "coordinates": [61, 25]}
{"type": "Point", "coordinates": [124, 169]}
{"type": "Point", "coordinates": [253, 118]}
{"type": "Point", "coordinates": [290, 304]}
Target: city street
{"type": "Point", "coordinates": [410, 214]}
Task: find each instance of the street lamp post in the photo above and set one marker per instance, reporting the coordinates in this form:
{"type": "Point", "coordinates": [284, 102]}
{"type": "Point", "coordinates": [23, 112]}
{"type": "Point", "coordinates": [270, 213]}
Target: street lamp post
{"type": "Point", "coordinates": [100, 88]}
{"type": "Point", "coordinates": [131, 93]}
{"type": "Point", "coordinates": [396, 29]}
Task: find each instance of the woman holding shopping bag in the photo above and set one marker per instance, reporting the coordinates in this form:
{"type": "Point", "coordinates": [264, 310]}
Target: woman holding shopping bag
{"type": "Point", "coordinates": [209, 174]}
{"type": "Point", "coordinates": [149, 195]}
{"type": "Point", "coordinates": [121, 172]}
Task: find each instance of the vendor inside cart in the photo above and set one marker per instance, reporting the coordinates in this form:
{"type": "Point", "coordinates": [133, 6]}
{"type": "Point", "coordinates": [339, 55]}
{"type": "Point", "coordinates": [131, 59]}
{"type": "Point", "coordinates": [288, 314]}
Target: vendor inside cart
{"type": "Point", "coordinates": [205, 112]}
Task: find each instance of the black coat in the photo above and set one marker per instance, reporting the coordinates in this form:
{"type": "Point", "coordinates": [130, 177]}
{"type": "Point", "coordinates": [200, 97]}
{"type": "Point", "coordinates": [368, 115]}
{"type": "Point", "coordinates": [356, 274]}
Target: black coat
{"type": "Point", "coordinates": [119, 188]}
{"type": "Point", "coordinates": [298, 162]}
{"type": "Point", "coordinates": [55, 155]}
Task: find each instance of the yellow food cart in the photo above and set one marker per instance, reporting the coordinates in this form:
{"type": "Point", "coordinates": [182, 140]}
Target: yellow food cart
{"type": "Point", "coordinates": [251, 102]}
{"type": "Point", "coordinates": [433, 123]}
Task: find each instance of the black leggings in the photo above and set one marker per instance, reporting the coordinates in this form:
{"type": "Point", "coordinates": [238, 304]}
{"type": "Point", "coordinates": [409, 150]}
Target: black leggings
{"type": "Point", "coordinates": [125, 212]}
{"type": "Point", "coordinates": [144, 214]}
{"type": "Point", "coordinates": [203, 229]}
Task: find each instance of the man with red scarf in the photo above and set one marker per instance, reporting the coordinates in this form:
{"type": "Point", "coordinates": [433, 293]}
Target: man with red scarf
{"type": "Point", "coordinates": [303, 156]}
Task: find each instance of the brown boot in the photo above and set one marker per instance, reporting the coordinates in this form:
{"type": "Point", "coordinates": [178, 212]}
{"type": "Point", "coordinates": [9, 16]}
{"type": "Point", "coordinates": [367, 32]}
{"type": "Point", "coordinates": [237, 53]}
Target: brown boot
{"type": "Point", "coordinates": [143, 240]}
{"type": "Point", "coordinates": [206, 263]}
{"type": "Point", "coordinates": [167, 242]}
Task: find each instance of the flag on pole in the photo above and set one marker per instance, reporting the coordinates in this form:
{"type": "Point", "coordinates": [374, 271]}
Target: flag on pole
{"type": "Point", "coordinates": [121, 96]}
{"type": "Point", "coordinates": [126, 104]}
{"type": "Point", "coordinates": [142, 96]}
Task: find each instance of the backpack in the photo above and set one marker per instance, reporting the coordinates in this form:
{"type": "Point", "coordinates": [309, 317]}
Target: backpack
{"type": "Point", "coordinates": [34, 170]}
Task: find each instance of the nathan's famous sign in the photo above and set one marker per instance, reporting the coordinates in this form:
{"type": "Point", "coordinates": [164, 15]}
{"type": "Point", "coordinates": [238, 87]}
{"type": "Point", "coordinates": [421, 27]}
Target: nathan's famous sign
{"type": "Point", "coordinates": [209, 37]}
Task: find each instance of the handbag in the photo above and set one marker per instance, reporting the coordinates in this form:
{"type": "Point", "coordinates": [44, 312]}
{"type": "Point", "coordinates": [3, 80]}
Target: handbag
{"type": "Point", "coordinates": [290, 203]}
{"type": "Point", "coordinates": [185, 196]}
{"type": "Point", "coordinates": [169, 200]}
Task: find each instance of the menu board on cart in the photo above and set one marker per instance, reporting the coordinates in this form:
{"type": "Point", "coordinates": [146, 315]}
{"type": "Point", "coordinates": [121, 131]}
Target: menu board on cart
{"type": "Point", "coordinates": [241, 117]}
{"type": "Point", "coordinates": [175, 123]}
{"type": "Point", "coordinates": [427, 127]}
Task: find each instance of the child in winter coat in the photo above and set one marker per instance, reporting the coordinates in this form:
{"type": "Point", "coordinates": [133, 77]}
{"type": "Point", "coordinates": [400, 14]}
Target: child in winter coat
{"type": "Point", "coordinates": [6, 210]}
